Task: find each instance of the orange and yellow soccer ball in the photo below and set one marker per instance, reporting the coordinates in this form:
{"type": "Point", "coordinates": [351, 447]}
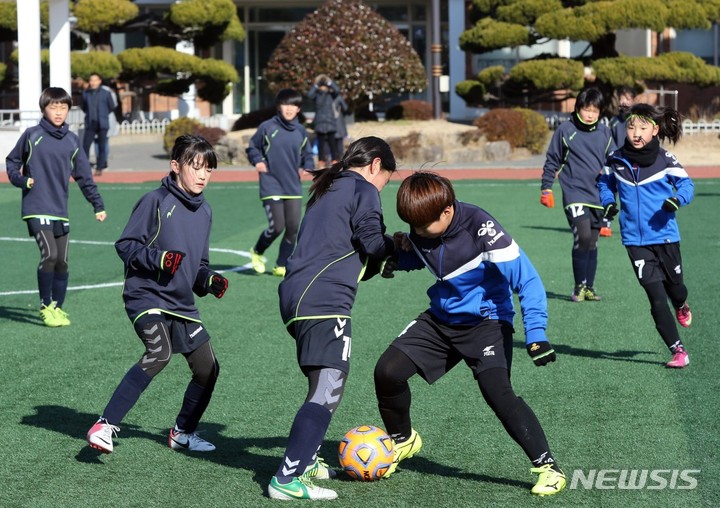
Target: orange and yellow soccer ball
{"type": "Point", "coordinates": [366, 453]}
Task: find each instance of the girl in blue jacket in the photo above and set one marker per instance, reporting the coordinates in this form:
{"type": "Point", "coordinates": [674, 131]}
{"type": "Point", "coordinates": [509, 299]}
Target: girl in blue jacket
{"type": "Point", "coordinates": [477, 266]}
{"type": "Point", "coordinates": [341, 233]}
{"type": "Point", "coordinates": [652, 186]}
{"type": "Point", "coordinates": [164, 248]}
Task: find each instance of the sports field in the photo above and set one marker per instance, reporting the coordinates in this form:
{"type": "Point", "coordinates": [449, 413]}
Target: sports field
{"type": "Point", "coordinates": [606, 404]}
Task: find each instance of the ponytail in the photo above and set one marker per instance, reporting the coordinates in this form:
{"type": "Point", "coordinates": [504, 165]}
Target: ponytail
{"type": "Point", "coordinates": [667, 119]}
{"type": "Point", "coordinates": [359, 154]}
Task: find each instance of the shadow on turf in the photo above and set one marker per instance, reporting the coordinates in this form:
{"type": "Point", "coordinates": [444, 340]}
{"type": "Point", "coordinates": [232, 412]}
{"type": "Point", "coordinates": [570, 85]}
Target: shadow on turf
{"type": "Point", "coordinates": [232, 452]}
{"type": "Point", "coordinates": [235, 452]}
{"type": "Point", "coordinates": [622, 355]}
{"type": "Point", "coordinates": [20, 315]}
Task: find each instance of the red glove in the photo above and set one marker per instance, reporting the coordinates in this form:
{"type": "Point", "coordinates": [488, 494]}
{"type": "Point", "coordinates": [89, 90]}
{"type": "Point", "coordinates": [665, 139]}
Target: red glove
{"type": "Point", "coordinates": [547, 199]}
{"type": "Point", "coordinates": [171, 260]}
{"type": "Point", "coordinates": [218, 285]}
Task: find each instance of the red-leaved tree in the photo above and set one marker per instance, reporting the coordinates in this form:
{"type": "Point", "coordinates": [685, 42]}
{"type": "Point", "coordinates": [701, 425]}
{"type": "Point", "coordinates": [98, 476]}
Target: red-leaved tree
{"type": "Point", "coordinates": [355, 46]}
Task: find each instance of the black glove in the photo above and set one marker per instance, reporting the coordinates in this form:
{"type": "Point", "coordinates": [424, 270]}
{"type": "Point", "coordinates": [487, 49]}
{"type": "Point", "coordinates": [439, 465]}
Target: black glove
{"type": "Point", "coordinates": [387, 268]}
{"type": "Point", "coordinates": [541, 353]}
{"type": "Point", "coordinates": [611, 210]}
{"type": "Point", "coordinates": [671, 205]}
{"type": "Point", "coordinates": [218, 284]}
{"type": "Point", "coordinates": [171, 260]}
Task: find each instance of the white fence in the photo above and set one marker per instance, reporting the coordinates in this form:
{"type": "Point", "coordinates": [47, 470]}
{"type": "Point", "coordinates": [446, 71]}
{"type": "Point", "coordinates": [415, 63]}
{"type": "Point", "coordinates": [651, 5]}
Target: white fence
{"type": "Point", "coordinates": [16, 120]}
{"type": "Point", "coordinates": [701, 126]}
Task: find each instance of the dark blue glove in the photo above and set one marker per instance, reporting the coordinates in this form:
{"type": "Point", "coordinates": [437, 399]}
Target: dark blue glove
{"type": "Point", "coordinates": [171, 260]}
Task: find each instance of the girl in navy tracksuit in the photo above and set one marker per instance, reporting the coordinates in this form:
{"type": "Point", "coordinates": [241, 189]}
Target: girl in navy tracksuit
{"type": "Point", "coordinates": [652, 186]}
{"type": "Point", "coordinates": [477, 266]}
{"type": "Point", "coordinates": [576, 155]}
{"type": "Point", "coordinates": [280, 151]}
{"type": "Point", "coordinates": [41, 164]}
{"type": "Point", "coordinates": [341, 233]}
{"type": "Point", "coordinates": [164, 248]}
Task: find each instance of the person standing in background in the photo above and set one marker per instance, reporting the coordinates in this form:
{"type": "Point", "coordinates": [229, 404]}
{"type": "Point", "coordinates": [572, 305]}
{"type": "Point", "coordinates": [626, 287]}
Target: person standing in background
{"type": "Point", "coordinates": [97, 104]}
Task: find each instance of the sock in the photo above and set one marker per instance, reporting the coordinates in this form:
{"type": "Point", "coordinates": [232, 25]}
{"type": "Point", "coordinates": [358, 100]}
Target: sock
{"type": "Point", "coordinates": [45, 286]}
{"type": "Point", "coordinates": [306, 435]}
{"type": "Point", "coordinates": [592, 261]}
{"type": "Point", "coordinates": [580, 266]}
{"type": "Point", "coordinates": [286, 248]}
{"type": "Point", "coordinates": [59, 287]}
{"type": "Point", "coordinates": [126, 394]}
{"type": "Point", "coordinates": [395, 414]}
{"type": "Point", "coordinates": [195, 402]}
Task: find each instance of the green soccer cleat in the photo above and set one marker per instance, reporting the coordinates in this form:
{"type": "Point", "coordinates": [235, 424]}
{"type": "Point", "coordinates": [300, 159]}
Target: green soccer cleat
{"type": "Point", "coordinates": [257, 261]}
{"type": "Point", "coordinates": [279, 271]}
{"type": "Point", "coordinates": [62, 316]}
{"type": "Point", "coordinates": [319, 470]}
{"type": "Point", "coordinates": [550, 482]}
{"type": "Point", "coordinates": [405, 450]}
{"type": "Point", "coordinates": [590, 295]}
{"type": "Point", "coordinates": [49, 315]}
{"type": "Point", "coordinates": [298, 488]}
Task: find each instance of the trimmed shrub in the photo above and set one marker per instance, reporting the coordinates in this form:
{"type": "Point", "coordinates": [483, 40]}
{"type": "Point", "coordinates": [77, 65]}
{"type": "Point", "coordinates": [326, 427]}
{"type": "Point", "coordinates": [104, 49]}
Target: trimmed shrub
{"type": "Point", "coordinates": [212, 134]}
{"type": "Point", "coordinates": [178, 128]}
{"type": "Point", "coordinates": [520, 127]}
{"type": "Point", "coordinates": [410, 110]}
{"type": "Point", "coordinates": [536, 130]}
{"type": "Point", "coordinates": [503, 124]}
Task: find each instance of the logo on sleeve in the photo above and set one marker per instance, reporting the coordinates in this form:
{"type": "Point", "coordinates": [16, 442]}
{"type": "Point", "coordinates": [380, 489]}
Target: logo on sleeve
{"type": "Point", "coordinates": [487, 228]}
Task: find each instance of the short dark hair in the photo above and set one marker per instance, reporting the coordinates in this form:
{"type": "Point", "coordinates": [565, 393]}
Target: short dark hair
{"type": "Point", "coordinates": [422, 197]}
{"type": "Point", "coordinates": [590, 97]}
{"type": "Point", "coordinates": [288, 96]}
{"type": "Point", "coordinates": [53, 95]}
{"type": "Point", "coordinates": [188, 147]}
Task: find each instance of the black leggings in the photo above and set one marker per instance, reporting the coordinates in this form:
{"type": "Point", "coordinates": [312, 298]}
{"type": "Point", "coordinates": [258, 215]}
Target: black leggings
{"type": "Point", "coordinates": [658, 293]}
{"type": "Point", "coordinates": [394, 368]}
{"type": "Point", "coordinates": [283, 214]}
{"type": "Point", "coordinates": [53, 251]}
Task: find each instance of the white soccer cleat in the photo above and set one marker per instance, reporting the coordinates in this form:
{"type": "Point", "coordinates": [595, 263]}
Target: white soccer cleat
{"type": "Point", "coordinates": [189, 442]}
{"type": "Point", "coordinates": [298, 488]}
{"type": "Point", "coordinates": [100, 436]}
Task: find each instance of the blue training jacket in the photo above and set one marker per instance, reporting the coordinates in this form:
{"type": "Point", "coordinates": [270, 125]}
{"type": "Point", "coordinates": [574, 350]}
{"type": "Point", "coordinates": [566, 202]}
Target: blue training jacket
{"type": "Point", "coordinates": [478, 266]}
{"type": "Point", "coordinates": [285, 148]}
{"type": "Point", "coordinates": [50, 156]}
{"type": "Point", "coordinates": [577, 156]}
{"type": "Point", "coordinates": [642, 191]}
{"type": "Point", "coordinates": [166, 218]}
{"type": "Point", "coordinates": [338, 235]}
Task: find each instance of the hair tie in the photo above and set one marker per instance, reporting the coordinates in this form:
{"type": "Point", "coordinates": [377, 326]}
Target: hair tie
{"type": "Point", "coordinates": [344, 164]}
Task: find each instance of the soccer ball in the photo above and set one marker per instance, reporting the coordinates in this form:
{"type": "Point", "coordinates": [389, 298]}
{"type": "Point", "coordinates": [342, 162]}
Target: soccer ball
{"type": "Point", "coordinates": [366, 453]}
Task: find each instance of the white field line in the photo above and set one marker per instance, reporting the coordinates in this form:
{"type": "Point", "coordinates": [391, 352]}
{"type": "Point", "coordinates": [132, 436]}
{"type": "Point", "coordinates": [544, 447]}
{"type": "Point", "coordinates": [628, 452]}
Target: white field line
{"type": "Point", "coordinates": [241, 268]}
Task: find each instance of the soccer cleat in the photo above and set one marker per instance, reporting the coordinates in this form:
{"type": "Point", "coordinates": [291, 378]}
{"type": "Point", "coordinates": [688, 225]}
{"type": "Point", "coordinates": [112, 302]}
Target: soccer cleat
{"type": "Point", "coordinates": [100, 435]}
{"type": "Point", "coordinates": [405, 450]}
{"type": "Point", "coordinates": [258, 261]}
{"type": "Point", "coordinates": [319, 470]}
{"type": "Point", "coordinates": [679, 360]}
{"type": "Point", "coordinates": [578, 294]}
{"type": "Point", "coordinates": [279, 271]}
{"type": "Point", "coordinates": [189, 441]}
{"type": "Point", "coordinates": [47, 313]}
{"type": "Point", "coordinates": [550, 482]}
{"type": "Point", "coordinates": [590, 295]}
{"type": "Point", "coordinates": [605, 231]}
{"type": "Point", "coordinates": [684, 316]}
{"type": "Point", "coordinates": [62, 316]}
{"type": "Point", "coordinates": [298, 488]}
